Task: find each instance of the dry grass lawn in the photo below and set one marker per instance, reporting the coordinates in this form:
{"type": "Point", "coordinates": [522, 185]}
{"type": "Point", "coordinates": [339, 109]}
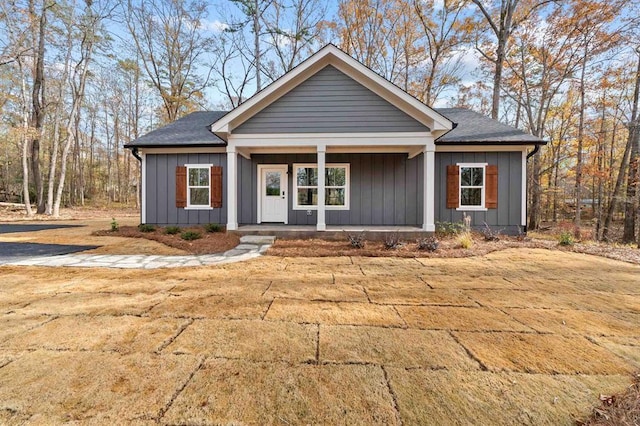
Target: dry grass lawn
{"type": "Point", "coordinates": [520, 336]}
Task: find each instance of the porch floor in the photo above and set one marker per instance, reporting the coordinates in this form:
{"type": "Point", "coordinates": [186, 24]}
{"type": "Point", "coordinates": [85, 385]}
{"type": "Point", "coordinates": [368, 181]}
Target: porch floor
{"type": "Point", "coordinates": [333, 232]}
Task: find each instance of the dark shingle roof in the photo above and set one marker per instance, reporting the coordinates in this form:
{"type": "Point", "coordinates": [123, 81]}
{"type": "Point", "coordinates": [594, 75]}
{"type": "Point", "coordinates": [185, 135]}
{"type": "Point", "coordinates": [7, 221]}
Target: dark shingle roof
{"type": "Point", "coordinates": [190, 130]}
{"type": "Point", "coordinates": [477, 129]}
{"type": "Point", "coordinates": [472, 129]}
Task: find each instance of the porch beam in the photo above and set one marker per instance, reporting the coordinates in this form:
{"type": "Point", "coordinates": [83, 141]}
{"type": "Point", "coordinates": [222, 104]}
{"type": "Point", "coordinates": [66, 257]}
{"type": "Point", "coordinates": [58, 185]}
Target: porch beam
{"type": "Point", "coordinates": [321, 224]}
{"type": "Point", "coordinates": [232, 189]}
{"type": "Point", "coordinates": [428, 210]}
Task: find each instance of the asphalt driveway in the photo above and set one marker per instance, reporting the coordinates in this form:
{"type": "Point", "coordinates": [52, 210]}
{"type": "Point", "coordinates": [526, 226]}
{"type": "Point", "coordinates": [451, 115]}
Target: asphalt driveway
{"type": "Point", "coordinates": [12, 250]}
{"type": "Point", "coordinates": [521, 336]}
{"type": "Point", "coordinates": [15, 250]}
{"type": "Point", "coordinates": [8, 228]}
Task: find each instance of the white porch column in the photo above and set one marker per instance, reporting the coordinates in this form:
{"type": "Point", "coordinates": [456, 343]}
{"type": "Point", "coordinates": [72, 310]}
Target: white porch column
{"type": "Point", "coordinates": [321, 226]}
{"type": "Point", "coordinates": [232, 189]}
{"type": "Point", "coordinates": [428, 198]}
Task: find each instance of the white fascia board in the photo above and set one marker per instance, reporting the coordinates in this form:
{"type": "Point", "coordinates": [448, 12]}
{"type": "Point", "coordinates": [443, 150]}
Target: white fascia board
{"type": "Point", "coordinates": [331, 55]}
{"type": "Point", "coordinates": [411, 150]}
{"type": "Point", "coordinates": [185, 150]}
{"type": "Point", "coordinates": [479, 148]}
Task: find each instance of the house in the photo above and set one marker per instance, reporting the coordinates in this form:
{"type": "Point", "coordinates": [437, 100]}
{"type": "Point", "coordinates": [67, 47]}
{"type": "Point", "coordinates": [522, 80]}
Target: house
{"type": "Point", "coordinates": [387, 159]}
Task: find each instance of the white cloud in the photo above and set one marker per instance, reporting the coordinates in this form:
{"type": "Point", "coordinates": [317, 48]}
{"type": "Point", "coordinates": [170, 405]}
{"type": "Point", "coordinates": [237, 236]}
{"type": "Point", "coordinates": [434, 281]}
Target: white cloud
{"type": "Point", "coordinates": [214, 25]}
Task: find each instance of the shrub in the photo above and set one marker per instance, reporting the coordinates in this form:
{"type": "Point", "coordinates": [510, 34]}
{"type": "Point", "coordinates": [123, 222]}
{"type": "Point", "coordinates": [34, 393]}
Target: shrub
{"type": "Point", "coordinates": [145, 227]}
{"type": "Point", "coordinates": [565, 238]}
{"type": "Point", "coordinates": [392, 241]}
{"type": "Point", "coordinates": [465, 240]}
{"type": "Point", "coordinates": [190, 235]}
{"type": "Point", "coordinates": [429, 243]}
{"type": "Point", "coordinates": [357, 240]}
{"type": "Point", "coordinates": [490, 234]}
{"type": "Point", "coordinates": [213, 227]}
{"type": "Point", "coordinates": [114, 225]}
{"type": "Point", "coordinates": [172, 230]}
{"type": "Point", "coordinates": [444, 229]}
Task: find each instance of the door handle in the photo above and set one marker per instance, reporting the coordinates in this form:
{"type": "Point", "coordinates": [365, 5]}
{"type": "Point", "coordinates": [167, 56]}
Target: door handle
{"type": "Point", "coordinates": [283, 195]}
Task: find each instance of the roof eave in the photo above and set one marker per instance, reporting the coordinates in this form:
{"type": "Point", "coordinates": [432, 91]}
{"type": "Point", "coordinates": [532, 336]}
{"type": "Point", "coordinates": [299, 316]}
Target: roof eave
{"type": "Point", "coordinates": [174, 145]}
{"type": "Point", "coordinates": [514, 143]}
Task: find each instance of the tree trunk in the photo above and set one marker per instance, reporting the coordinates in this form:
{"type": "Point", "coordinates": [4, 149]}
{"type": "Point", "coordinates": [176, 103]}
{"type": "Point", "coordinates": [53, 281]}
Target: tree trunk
{"type": "Point", "coordinates": [631, 210]}
{"type": "Point", "coordinates": [37, 112]}
{"type": "Point", "coordinates": [25, 142]}
{"type": "Point", "coordinates": [580, 140]}
{"type": "Point", "coordinates": [256, 41]}
{"type": "Point", "coordinates": [53, 161]}
{"type": "Point", "coordinates": [78, 96]}
{"type": "Point", "coordinates": [616, 190]}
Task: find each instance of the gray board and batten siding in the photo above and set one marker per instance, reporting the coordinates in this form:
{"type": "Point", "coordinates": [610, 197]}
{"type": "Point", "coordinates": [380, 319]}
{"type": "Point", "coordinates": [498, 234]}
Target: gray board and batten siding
{"type": "Point", "coordinates": [330, 102]}
{"type": "Point", "coordinates": [160, 191]}
{"type": "Point", "coordinates": [507, 217]}
{"type": "Point", "coordinates": [385, 189]}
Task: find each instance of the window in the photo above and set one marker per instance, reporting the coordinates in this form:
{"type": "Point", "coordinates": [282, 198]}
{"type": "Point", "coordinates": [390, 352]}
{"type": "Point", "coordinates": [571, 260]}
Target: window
{"type": "Point", "coordinates": [198, 186]}
{"type": "Point", "coordinates": [336, 181]}
{"type": "Point", "coordinates": [472, 186]}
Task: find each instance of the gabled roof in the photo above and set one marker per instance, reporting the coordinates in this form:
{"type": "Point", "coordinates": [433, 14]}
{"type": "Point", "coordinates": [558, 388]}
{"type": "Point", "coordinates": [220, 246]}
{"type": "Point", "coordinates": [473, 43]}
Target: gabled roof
{"type": "Point", "coordinates": [191, 130]}
{"type": "Point", "coordinates": [470, 128]}
{"type": "Point", "coordinates": [331, 55]}
{"type": "Point", "coordinates": [478, 129]}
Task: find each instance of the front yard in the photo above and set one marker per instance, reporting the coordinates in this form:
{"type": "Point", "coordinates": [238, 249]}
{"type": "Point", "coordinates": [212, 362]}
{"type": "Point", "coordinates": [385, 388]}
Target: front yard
{"type": "Point", "coordinates": [517, 336]}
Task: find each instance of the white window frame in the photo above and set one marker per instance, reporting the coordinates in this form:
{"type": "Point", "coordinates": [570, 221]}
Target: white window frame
{"type": "Point", "coordinates": [483, 188]}
{"type": "Point", "coordinates": [198, 206]}
{"type": "Point", "coordinates": [347, 185]}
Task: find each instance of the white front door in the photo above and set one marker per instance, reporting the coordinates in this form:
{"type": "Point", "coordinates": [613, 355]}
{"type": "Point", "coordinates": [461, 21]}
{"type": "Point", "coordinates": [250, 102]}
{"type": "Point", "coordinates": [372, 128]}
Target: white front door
{"type": "Point", "coordinates": [273, 194]}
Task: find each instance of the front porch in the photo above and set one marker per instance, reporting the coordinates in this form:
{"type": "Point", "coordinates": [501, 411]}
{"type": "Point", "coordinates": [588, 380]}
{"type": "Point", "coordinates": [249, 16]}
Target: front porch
{"type": "Point", "coordinates": [386, 182]}
{"type": "Point", "coordinates": [331, 232]}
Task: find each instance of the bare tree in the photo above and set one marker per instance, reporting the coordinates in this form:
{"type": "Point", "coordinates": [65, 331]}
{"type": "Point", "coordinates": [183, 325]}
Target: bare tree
{"type": "Point", "coordinates": [89, 26]}
{"type": "Point", "coordinates": [502, 17]}
{"type": "Point", "coordinates": [169, 37]}
{"type": "Point", "coordinates": [292, 26]}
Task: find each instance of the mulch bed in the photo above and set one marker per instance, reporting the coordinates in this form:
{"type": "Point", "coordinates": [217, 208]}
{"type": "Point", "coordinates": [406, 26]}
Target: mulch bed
{"type": "Point", "coordinates": [449, 248]}
{"type": "Point", "coordinates": [211, 242]}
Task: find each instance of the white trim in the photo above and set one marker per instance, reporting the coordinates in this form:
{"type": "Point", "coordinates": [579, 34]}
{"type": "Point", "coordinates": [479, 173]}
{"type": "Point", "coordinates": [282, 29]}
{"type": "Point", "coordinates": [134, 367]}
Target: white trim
{"type": "Point", "coordinates": [285, 168]}
{"type": "Point", "coordinates": [321, 224]}
{"type": "Point", "coordinates": [232, 189]}
{"type": "Point", "coordinates": [429, 186]}
{"type": "Point", "coordinates": [270, 140]}
{"type": "Point", "coordinates": [331, 55]}
{"type": "Point", "coordinates": [347, 192]}
{"type": "Point", "coordinates": [523, 213]}
{"type": "Point", "coordinates": [483, 188]}
{"type": "Point", "coordinates": [410, 150]}
{"type": "Point", "coordinates": [143, 195]}
{"type": "Point", "coordinates": [185, 150]}
{"type": "Point", "coordinates": [480, 148]}
{"type": "Point", "coordinates": [198, 206]}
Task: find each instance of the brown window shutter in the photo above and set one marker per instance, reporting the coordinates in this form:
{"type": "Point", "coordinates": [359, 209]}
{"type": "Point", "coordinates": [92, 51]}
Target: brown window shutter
{"type": "Point", "coordinates": [453, 186]}
{"type": "Point", "coordinates": [181, 186]}
{"type": "Point", "coordinates": [491, 188]}
{"type": "Point", "coordinates": [216, 186]}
